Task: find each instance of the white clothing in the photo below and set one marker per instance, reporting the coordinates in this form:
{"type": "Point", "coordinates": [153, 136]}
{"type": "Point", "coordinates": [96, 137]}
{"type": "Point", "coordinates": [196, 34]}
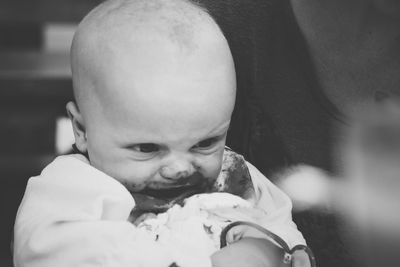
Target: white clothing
{"type": "Point", "coordinates": [75, 215]}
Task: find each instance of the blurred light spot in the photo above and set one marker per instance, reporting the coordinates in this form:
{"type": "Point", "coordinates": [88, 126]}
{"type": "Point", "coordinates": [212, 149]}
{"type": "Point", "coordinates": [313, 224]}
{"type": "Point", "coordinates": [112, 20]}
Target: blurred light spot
{"type": "Point", "coordinates": [58, 37]}
{"type": "Point", "coordinates": [64, 135]}
{"type": "Point", "coordinates": [308, 187]}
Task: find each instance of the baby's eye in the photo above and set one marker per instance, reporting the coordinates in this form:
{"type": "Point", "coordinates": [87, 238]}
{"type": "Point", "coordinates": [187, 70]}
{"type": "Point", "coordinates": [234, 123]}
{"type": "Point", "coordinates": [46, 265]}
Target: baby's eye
{"type": "Point", "coordinates": [146, 148]}
{"type": "Point", "coordinates": [207, 143]}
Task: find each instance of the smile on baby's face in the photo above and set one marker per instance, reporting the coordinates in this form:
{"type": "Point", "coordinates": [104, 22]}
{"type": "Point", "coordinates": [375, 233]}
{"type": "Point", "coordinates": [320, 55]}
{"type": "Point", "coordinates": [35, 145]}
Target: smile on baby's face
{"type": "Point", "coordinates": [159, 116]}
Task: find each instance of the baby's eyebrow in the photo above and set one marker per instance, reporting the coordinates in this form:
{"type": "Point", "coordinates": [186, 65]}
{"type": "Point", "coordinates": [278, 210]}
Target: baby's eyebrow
{"type": "Point", "coordinates": [220, 130]}
{"type": "Point", "coordinates": [131, 144]}
{"type": "Point", "coordinates": [216, 136]}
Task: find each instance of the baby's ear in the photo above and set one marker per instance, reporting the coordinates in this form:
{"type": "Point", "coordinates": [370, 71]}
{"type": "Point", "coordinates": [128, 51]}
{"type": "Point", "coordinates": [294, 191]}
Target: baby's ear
{"type": "Point", "coordinates": [78, 126]}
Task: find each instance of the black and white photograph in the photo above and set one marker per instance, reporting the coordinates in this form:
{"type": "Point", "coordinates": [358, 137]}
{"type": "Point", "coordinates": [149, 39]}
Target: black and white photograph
{"type": "Point", "coordinates": [200, 133]}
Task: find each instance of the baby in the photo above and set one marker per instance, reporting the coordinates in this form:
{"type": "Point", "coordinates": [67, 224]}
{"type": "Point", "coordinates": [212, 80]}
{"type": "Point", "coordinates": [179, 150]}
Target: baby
{"type": "Point", "coordinates": [154, 83]}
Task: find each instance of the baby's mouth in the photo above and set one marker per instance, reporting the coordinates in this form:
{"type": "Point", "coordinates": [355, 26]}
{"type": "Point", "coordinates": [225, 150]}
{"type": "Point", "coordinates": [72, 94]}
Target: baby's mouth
{"type": "Point", "coordinates": [158, 198]}
{"type": "Point", "coordinates": [174, 192]}
{"type": "Point", "coordinates": [161, 198]}
{"type": "Point", "coordinates": [179, 189]}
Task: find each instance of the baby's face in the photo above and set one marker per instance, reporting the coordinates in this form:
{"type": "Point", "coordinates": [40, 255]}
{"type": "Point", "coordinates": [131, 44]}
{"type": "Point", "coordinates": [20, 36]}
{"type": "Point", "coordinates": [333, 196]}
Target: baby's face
{"type": "Point", "coordinates": [160, 118]}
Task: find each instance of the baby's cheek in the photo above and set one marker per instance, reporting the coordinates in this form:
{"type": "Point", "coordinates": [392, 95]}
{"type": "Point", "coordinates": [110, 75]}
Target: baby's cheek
{"type": "Point", "coordinates": [210, 165]}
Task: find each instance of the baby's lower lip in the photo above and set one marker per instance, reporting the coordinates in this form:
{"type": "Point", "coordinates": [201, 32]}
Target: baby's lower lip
{"type": "Point", "coordinates": [172, 191]}
{"type": "Point", "coordinates": [171, 187]}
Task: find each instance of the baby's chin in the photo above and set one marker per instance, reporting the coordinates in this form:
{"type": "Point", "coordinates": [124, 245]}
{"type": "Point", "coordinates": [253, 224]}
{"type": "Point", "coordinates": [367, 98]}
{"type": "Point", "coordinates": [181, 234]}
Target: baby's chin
{"type": "Point", "coordinates": [160, 197]}
{"type": "Point", "coordinates": [166, 189]}
{"type": "Point", "coordinates": [170, 193]}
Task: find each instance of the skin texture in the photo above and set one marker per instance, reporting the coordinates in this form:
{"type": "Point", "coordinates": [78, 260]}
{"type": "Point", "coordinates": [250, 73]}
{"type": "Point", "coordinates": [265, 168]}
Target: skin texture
{"type": "Point", "coordinates": [260, 252]}
{"type": "Point", "coordinates": [155, 88]}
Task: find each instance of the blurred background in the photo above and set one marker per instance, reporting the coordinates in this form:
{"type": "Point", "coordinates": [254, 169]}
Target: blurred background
{"type": "Point", "coordinates": [35, 84]}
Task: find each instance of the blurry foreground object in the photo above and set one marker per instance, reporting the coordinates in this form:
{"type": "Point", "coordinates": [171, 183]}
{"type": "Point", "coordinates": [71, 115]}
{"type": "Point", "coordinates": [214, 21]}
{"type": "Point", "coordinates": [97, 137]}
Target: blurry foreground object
{"type": "Point", "coordinates": [372, 166]}
{"type": "Point", "coordinates": [368, 197]}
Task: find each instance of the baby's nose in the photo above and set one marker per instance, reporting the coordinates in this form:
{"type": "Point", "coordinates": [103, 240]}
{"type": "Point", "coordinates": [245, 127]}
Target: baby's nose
{"type": "Point", "coordinates": [177, 169]}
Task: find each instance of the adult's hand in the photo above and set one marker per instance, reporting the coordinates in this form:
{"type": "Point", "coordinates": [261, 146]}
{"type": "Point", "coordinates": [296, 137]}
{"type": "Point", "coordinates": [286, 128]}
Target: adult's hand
{"type": "Point", "coordinates": [249, 252]}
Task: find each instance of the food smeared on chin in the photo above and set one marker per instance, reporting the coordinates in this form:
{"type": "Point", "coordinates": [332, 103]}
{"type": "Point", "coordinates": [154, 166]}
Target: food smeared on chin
{"type": "Point", "coordinates": [234, 178]}
{"type": "Point", "coordinates": [159, 200]}
{"type": "Point", "coordinates": [175, 192]}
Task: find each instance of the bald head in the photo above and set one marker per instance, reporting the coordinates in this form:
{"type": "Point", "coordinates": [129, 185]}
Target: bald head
{"type": "Point", "coordinates": [121, 28]}
{"type": "Point", "coordinates": [155, 84]}
{"type": "Point", "coordinates": [135, 61]}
